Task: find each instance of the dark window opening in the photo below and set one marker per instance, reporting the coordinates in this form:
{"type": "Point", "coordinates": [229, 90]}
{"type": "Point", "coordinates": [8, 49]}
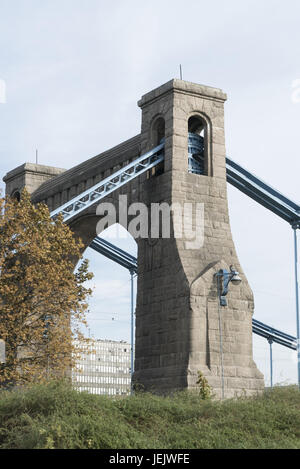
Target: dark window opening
{"type": "Point", "coordinates": [16, 195]}
{"type": "Point", "coordinates": [157, 137]}
{"type": "Point", "coordinates": [197, 145]}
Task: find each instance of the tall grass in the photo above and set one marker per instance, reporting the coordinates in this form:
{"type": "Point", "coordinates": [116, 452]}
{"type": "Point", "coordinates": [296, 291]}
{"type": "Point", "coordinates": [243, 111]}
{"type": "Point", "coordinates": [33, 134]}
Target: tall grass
{"type": "Point", "coordinates": [56, 416]}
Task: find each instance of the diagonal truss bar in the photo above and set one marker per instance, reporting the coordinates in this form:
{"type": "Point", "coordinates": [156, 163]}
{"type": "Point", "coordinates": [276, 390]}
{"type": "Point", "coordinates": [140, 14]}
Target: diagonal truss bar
{"type": "Point", "coordinates": [270, 329]}
{"type": "Point", "coordinates": [272, 338]}
{"type": "Point", "coordinates": [114, 253]}
{"type": "Point", "coordinates": [274, 335]}
{"type": "Point", "coordinates": [110, 184]}
{"type": "Point", "coordinates": [262, 193]}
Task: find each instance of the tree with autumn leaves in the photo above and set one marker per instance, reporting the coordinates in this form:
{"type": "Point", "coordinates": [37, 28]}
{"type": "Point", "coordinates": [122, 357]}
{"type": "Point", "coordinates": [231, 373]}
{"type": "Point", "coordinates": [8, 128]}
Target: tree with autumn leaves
{"type": "Point", "coordinates": [43, 301]}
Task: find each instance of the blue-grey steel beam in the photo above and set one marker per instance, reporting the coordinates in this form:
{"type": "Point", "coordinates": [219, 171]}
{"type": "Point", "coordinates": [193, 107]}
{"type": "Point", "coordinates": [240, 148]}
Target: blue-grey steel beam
{"type": "Point", "coordinates": [132, 330]}
{"type": "Point", "coordinates": [114, 253]}
{"type": "Point", "coordinates": [263, 193]}
{"type": "Point", "coordinates": [271, 360]}
{"type": "Point", "coordinates": [275, 335]}
{"type": "Point", "coordinates": [297, 302]}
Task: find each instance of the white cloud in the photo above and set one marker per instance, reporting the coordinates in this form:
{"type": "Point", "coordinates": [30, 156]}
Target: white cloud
{"type": "Point", "coordinates": [2, 92]}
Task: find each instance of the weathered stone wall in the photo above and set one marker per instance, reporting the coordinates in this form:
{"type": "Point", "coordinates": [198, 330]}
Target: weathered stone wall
{"type": "Point", "coordinates": [177, 326]}
{"type": "Point", "coordinates": [29, 175]}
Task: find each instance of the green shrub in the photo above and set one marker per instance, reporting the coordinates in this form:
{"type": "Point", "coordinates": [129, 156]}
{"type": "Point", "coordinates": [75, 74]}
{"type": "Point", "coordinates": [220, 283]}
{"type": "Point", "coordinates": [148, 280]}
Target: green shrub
{"type": "Point", "coordinates": [205, 390]}
{"type": "Point", "coordinates": [57, 416]}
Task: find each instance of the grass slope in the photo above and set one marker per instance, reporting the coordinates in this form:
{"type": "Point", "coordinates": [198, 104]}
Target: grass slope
{"type": "Point", "coordinates": [55, 416]}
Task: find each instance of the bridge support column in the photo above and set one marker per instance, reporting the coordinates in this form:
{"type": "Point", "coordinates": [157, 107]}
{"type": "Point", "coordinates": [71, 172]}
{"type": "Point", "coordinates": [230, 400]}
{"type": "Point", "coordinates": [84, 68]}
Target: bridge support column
{"type": "Point", "coordinates": [177, 322]}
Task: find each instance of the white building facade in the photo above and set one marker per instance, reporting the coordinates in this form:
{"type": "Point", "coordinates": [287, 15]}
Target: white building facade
{"type": "Point", "coordinates": [104, 368]}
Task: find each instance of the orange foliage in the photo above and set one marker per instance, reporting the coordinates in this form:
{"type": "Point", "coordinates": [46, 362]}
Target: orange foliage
{"type": "Point", "coordinates": [43, 302]}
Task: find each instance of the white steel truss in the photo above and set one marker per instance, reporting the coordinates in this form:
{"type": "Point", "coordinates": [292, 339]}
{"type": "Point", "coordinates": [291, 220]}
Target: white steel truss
{"type": "Point", "coordinates": [113, 182]}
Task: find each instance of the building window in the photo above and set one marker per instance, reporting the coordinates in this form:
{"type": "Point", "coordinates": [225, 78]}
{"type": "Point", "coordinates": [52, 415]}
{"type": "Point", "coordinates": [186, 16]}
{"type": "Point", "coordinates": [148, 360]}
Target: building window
{"type": "Point", "coordinates": [99, 371]}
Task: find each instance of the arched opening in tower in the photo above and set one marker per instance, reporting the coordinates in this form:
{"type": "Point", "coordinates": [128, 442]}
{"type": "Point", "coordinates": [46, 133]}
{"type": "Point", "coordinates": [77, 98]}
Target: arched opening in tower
{"type": "Point", "coordinates": [196, 145]}
{"type": "Point", "coordinates": [16, 195]}
{"type": "Point", "coordinates": [105, 366]}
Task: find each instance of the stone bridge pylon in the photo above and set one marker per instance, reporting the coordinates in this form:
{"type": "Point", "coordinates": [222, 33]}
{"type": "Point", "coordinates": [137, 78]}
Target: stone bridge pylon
{"type": "Point", "coordinates": [181, 327]}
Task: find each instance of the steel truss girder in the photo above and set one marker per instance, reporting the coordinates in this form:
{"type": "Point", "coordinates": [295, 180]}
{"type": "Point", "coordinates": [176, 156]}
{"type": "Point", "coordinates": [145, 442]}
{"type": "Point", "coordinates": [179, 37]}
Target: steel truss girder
{"type": "Point", "coordinates": [274, 335]}
{"type": "Point", "coordinates": [262, 193]}
{"type": "Point", "coordinates": [114, 253]}
{"type": "Point", "coordinates": [103, 188]}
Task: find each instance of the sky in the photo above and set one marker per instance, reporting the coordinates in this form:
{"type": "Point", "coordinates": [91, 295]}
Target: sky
{"type": "Point", "coordinates": [71, 73]}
